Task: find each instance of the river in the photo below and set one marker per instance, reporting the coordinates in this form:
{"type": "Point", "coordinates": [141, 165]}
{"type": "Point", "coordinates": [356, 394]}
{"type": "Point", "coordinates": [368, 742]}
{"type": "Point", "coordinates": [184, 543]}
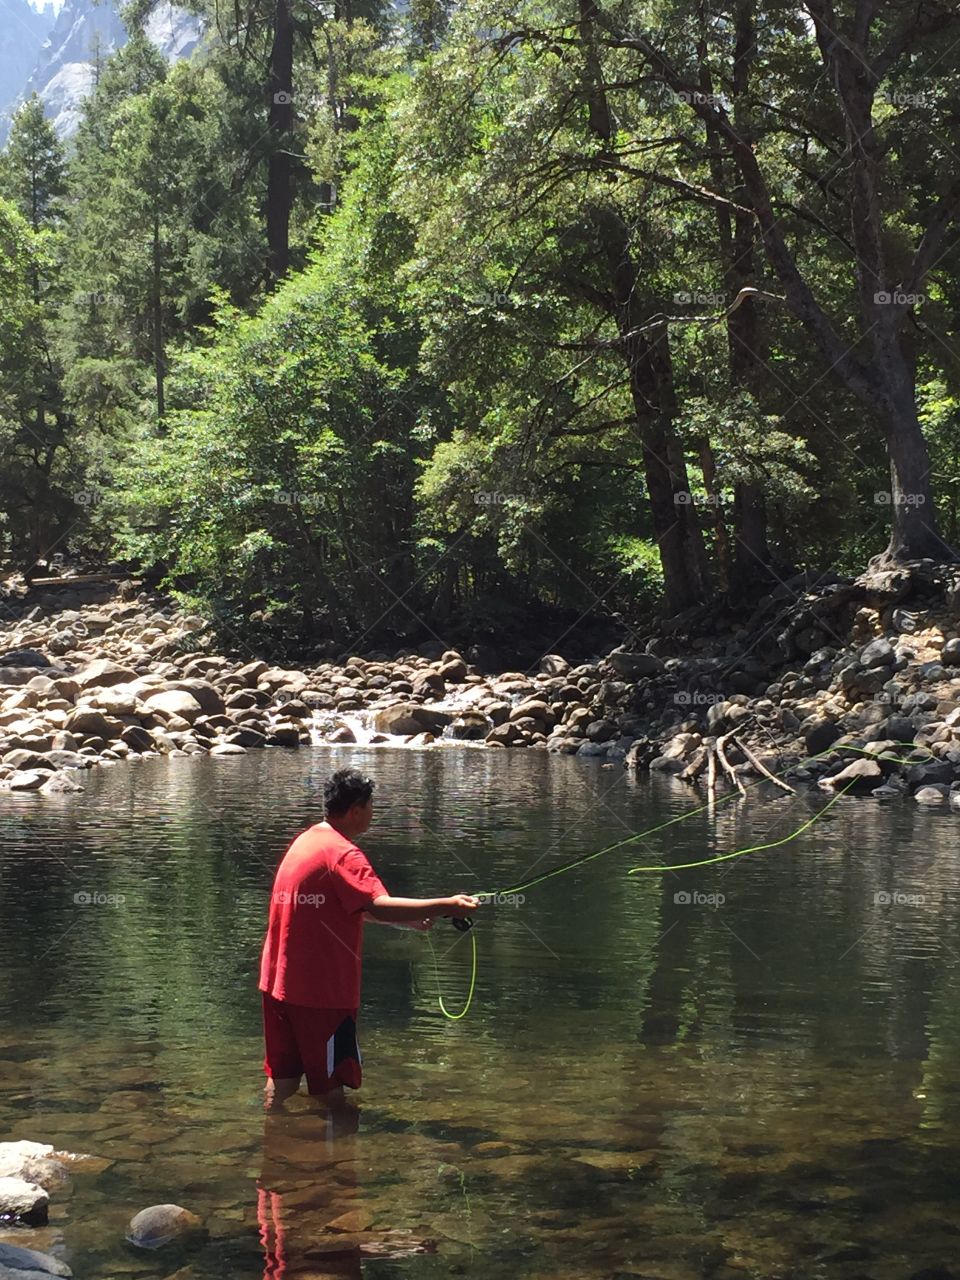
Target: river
{"type": "Point", "coordinates": [750, 1070]}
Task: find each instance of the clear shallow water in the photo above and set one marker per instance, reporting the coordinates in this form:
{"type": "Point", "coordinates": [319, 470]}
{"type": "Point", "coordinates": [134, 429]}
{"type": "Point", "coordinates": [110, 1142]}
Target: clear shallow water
{"type": "Point", "coordinates": [763, 1087]}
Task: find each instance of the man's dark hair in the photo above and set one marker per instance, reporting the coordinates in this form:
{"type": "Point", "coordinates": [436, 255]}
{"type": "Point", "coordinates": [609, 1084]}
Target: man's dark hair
{"type": "Point", "coordinates": [343, 789]}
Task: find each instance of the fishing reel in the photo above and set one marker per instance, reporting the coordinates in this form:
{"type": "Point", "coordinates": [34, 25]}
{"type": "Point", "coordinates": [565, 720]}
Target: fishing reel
{"type": "Point", "coordinates": [463, 924]}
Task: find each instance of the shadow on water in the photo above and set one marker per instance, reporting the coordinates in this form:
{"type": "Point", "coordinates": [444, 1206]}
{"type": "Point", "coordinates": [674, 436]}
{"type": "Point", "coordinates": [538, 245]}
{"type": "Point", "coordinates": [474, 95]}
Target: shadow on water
{"type": "Point", "coordinates": [749, 1070]}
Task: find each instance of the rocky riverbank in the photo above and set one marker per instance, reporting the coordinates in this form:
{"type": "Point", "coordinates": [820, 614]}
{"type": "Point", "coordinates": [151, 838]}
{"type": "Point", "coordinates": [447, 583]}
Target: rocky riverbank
{"type": "Point", "coordinates": [91, 674]}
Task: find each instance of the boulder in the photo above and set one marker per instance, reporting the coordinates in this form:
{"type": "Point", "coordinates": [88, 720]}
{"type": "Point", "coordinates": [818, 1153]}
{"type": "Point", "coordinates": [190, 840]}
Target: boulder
{"type": "Point", "coordinates": [950, 653]}
{"type": "Point", "coordinates": [251, 673]}
{"type": "Point", "coordinates": [409, 717]}
{"type": "Point", "coordinates": [931, 795]}
{"type": "Point", "coordinates": [454, 670]}
{"type": "Point", "coordinates": [552, 664]}
{"type": "Point", "coordinates": [428, 684]}
{"type": "Point", "coordinates": [635, 666]}
{"type": "Point", "coordinates": [858, 776]}
{"type": "Point", "coordinates": [118, 700]}
{"type": "Point", "coordinates": [26, 780]}
{"type": "Point", "coordinates": [247, 737]}
{"type": "Point", "coordinates": [228, 749]}
{"type": "Point", "coordinates": [342, 733]}
{"type": "Point", "coordinates": [209, 697]}
{"type": "Point", "coordinates": [277, 678]}
{"type": "Point", "coordinates": [60, 784]}
{"type": "Point", "coordinates": [24, 759]}
{"type": "Point", "coordinates": [137, 738]}
{"type": "Point", "coordinates": [24, 658]}
{"type": "Point", "coordinates": [878, 653]}
{"type": "Point", "coordinates": [23, 1201]}
{"type": "Point", "coordinates": [819, 736]}
{"type": "Point", "coordinates": [160, 1224]}
{"type": "Point", "coordinates": [504, 735]}
{"type": "Point", "coordinates": [175, 702]}
{"type": "Point", "coordinates": [17, 1263]}
{"type": "Point", "coordinates": [93, 724]}
{"type": "Point", "coordinates": [103, 674]}
{"type": "Point", "coordinates": [470, 726]}
{"type": "Point", "coordinates": [284, 734]}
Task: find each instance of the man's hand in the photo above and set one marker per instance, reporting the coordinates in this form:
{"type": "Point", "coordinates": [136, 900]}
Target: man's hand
{"type": "Point", "coordinates": [463, 903]}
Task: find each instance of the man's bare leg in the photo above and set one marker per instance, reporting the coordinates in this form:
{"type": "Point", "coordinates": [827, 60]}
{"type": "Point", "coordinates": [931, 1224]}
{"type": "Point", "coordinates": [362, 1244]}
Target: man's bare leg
{"type": "Point", "coordinates": [276, 1092]}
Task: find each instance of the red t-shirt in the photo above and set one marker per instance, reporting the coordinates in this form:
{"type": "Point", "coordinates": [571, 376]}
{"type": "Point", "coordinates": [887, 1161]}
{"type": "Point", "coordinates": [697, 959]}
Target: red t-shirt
{"type": "Point", "coordinates": [311, 954]}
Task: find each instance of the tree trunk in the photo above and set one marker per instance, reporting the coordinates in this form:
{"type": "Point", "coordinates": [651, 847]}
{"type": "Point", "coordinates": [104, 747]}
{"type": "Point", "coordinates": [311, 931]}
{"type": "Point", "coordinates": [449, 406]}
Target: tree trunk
{"type": "Point", "coordinates": [157, 301]}
{"type": "Point", "coordinates": [650, 365]}
{"type": "Point", "coordinates": [280, 120]}
{"type": "Point", "coordinates": [913, 526]}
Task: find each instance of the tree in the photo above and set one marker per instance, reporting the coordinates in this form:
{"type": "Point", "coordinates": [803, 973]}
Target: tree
{"type": "Point", "coordinates": [893, 241]}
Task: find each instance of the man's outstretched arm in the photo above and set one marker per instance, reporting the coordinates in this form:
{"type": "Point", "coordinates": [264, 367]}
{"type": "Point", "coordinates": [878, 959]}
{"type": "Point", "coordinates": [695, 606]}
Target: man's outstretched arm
{"type": "Point", "coordinates": [389, 910]}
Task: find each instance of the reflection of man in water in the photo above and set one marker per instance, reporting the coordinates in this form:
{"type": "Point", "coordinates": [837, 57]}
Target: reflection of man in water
{"type": "Point", "coordinates": [311, 963]}
{"type": "Point", "coordinates": [307, 1181]}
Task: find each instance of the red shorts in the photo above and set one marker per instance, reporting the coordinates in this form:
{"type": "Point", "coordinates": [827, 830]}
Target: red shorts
{"type": "Point", "coordinates": [318, 1043]}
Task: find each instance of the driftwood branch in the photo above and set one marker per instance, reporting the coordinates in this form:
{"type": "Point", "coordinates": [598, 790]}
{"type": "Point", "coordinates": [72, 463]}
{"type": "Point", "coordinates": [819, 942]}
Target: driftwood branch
{"type": "Point", "coordinates": [762, 768]}
{"type": "Point", "coordinates": [726, 765]}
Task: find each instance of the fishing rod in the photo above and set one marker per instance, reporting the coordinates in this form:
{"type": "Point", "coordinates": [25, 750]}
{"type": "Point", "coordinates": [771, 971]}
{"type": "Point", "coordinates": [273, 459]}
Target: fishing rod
{"type": "Point", "coordinates": [465, 924]}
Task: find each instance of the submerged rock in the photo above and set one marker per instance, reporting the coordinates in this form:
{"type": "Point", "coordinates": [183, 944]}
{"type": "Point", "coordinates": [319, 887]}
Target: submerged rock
{"type": "Point", "coordinates": [24, 1264]}
{"type": "Point", "coordinates": [160, 1224]}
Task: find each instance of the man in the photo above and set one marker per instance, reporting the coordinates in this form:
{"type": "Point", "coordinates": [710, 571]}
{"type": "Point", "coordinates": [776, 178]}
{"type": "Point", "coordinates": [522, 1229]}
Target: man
{"type": "Point", "coordinates": [310, 967]}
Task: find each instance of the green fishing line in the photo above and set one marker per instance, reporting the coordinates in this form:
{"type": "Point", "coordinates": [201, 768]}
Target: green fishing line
{"type": "Point", "coordinates": [494, 894]}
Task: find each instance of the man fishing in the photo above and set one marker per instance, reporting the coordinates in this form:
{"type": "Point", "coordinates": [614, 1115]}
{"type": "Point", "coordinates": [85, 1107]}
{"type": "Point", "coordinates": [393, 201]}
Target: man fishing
{"type": "Point", "coordinates": [311, 963]}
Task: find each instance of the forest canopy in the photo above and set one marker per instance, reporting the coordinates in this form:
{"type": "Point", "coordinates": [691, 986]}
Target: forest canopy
{"type": "Point", "coordinates": [483, 310]}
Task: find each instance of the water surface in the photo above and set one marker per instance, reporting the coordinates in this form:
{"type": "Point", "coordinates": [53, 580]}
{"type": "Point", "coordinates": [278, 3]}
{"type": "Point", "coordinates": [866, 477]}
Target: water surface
{"type": "Point", "coordinates": [749, 1070]}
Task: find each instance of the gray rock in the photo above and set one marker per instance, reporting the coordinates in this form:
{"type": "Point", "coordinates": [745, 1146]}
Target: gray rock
{"type": "Point", "coordinates": [160, 1224]}
{"type": "Point", "coordinates": [900, 729]}
{"type": "Point", "coordinates": [592, 749]}
{"type": "Point", "coordinates": [878, 653]}
{"type": "Point", "coordinates": [950, 654]}
{"type": "Point", "coordinates": [93, 724]}
{"type": "Point", "coordinates": [24, 658]}
{"type": "Point", "coordinates": [23, 1201]}
{"type": "Point", "coordinates": [247, 737]}
{"type": "Point", "coordinates": [23, 759]}
{"type": "Point", "coordinates": [27, 780]}
{"type": "Point", "coordinates": [553, 665]}
{"type": "Point", "coordinates": [59, 784]}
{"type": "Point", "coordinates": [858, 776]}
{"type": "Point", "coordinates": [103, 673]}
{"type": "Point", "coordinates": [931, 795]}
{"type": "Point", "coordinates": [26, 1263]}
{"type": "Point", "coordinates": [342, 734]}
{"type": "Point", "coordinates": [175, 702]}
{"type": "Point", "coordinates": [634, 666]}
{"type": "Point", "coordinates": [932, 771]}
{"type": "Point", "coordinates": [137, 738]}
{"type": "Point", "coordinates": [819, 736]}
{"type": "Point", "coordinates": [227, 749]}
